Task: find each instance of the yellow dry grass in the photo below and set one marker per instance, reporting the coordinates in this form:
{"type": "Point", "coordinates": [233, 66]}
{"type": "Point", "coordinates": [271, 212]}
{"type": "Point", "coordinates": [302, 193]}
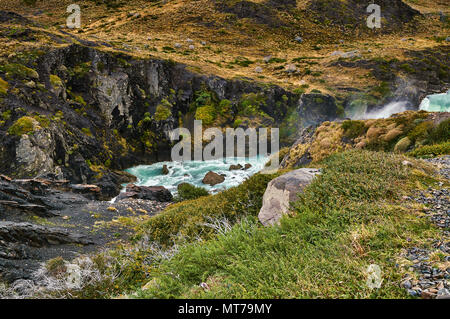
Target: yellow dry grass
{"type": "Point", "coordinates": [163, 25]}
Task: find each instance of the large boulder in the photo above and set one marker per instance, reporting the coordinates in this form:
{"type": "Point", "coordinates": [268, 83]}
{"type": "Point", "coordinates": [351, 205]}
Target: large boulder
{"type": "Point", "coordinates": [155, 193]}
{"type": "Point", "coordinates": [283, 190]}
{"type": "Point", "coordinates": [212, 178]}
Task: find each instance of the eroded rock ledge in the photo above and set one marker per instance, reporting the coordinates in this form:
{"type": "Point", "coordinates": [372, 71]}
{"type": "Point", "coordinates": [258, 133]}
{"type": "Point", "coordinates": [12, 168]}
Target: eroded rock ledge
{"type": "Point", "coordinates": [41, 219]}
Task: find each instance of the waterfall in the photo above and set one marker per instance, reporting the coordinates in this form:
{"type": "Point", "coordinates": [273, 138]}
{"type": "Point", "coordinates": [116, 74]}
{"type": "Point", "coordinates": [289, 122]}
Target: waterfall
{"type": "Point", "coordinates": [436, 103]}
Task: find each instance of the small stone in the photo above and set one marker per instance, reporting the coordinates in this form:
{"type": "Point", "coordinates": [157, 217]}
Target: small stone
{"type": "Point", "coordinates": [189, 41]}
{"type": "Point", "coordinates": [177, 45]}
{"type": "Point", "coordinates": [351, 54]}
{"type": "Point", "coordinates": [443, 292]}
{"type": "Point", "coordinates": [291, 68]}
{"type": "Point", "coordinates": [299, 39]}
{"type": "Point", "coordinates": [336, 53]}
{"type": "Point", "coordinates": [407, 163]}
{"type": "Point", "coordinates": [412, 292]}
{"type": "Point", "coordinates": [191, 47]}
{"type": "Point", "coordinates": [266, 59]}
{"type": "Point", "coordinates": [407, 284]}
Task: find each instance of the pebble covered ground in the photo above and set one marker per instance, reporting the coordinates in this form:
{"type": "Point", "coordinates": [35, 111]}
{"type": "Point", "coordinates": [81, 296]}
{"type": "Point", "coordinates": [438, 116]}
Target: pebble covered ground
{"type": "Point", "coordinates": [425, 279]}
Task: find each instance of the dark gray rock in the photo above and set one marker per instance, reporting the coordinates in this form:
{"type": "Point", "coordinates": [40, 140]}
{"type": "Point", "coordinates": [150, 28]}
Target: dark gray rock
{"type": "Point", "coordinates": [155, 193]}
{"type": "Point", "coordinates": [38, 236]}
{"type": "Point", "coordinates": [316, 108]}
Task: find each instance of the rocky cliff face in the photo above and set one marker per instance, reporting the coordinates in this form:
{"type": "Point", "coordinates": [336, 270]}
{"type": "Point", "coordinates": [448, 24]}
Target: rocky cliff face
{"type": "Point", "coordinates": [82, 114]}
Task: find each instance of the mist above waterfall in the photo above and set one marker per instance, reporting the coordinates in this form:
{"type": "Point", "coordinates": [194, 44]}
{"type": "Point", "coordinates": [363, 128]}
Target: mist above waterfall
{"type": "Point", "coordinates": [384, 111]}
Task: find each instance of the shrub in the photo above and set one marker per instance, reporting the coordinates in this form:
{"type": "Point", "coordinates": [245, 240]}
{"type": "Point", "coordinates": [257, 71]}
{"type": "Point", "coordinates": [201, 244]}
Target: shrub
{"type": "Point", "coordinates": [6, 115]}
{"type": "Point", "coordinates": [206, 113]}
{"type": "Point", "coordinates": [353, 129]}
{"type": "Point", "coordinates": [19, 71]}
{"type": "Point", "coordinates": [79, 99]}
{"type": "Point", "coordinates": [162, 112]}
{"type": "Point", "coordinates": [434, 150]}
{"type": "Point", "coordinates": [86, 131]}
{"type": "Point", "coordinates": [3, 87]}
{"type": "Point", "coordinates": [29, 2]}
{"type": "Point", "coordinates": [441, 133]}
{"type": "Point", "coordinates": [225, 107]}
{"type": "Point", "coordinates": [237, 123]}
{"type": "Point", "coordinates": [420, 131]}
{"type": "Point", "coordinates": [243, 61]}
{"type": "Point", "coordinates": [402, 145]}
{"type": "Point", "coordinates": [251, 103]}
{"type": "Point", "coordinates": [187, 191]}
{"type": "Point", "coordinates": [55, 81]}
{"type": "Point", "coordinates": [24, 125]}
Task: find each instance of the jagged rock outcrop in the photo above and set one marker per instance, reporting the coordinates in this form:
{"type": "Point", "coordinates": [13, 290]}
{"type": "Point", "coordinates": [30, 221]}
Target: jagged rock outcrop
{"type": "Point", "coordinates": [283, 190]}
{"type": "Point", "coordinates": [41, 219]}
{"type": "Point", "coordinates": [155, 193]}
{"type": "Point", "coordinates": [316, 108]}
{"type": "Point", "coordinates": [38, 236]}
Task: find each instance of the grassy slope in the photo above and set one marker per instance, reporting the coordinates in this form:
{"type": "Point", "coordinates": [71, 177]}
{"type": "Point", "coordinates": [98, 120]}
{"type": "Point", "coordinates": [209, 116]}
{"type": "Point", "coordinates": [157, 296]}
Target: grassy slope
{"type": "Point", "coordinates": [350, 217]}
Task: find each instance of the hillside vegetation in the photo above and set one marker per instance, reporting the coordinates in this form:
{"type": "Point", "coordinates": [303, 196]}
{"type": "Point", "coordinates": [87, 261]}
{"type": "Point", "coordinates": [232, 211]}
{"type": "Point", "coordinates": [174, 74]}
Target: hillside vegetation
{"type": "Point", "coordinates": [419, 134]}
{"type": "Point", "coordinates": [233, 38]}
